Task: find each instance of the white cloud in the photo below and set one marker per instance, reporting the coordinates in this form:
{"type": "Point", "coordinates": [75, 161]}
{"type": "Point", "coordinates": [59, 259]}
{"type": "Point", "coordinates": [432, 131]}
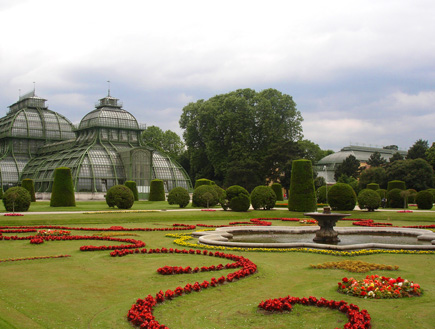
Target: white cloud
{"type": "Point", "coordinates": [357, 63]}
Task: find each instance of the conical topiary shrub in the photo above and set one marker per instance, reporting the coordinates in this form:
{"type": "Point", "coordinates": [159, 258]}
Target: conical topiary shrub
{"type": "Point", "coordinates": [132, 186]}
{"type": "Point", "coordinates": [302, 195]}
{"type": "Point", "coordinates": [62, 193]}
{"type": "Point", "coordinates": [277, 188]}
{"type": "Point", "coordinates": [29, 186]}
{"type": "Point", "coordinates": [157, 190]}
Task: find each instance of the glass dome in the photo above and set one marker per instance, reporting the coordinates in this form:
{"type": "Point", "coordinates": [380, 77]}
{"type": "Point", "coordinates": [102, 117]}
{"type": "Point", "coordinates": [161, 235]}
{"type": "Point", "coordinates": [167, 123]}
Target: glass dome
{"type": "Point", "coordinates": [109, 114]}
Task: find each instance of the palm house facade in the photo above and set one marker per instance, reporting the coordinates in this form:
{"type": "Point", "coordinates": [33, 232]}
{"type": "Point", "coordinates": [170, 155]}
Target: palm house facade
{"type": "Point", "coordinates": [104, 150]}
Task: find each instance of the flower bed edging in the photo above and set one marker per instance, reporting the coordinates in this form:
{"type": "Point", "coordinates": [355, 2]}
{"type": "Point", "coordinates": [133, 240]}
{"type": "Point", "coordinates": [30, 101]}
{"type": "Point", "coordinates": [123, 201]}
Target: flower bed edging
{"type": "Point", "coordinates": [357, 318]}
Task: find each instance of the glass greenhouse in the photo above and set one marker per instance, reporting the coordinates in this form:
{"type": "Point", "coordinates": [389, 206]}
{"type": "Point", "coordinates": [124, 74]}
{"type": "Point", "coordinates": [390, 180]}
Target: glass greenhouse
{"type": "Point", "coordinates": [105, 150]}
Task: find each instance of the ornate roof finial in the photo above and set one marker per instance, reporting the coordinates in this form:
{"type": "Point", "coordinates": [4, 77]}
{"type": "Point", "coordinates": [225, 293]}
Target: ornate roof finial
{"type": "Point", "coordinates": [108, 91]}
{"type": "Point", "coordinates": [34, 88]}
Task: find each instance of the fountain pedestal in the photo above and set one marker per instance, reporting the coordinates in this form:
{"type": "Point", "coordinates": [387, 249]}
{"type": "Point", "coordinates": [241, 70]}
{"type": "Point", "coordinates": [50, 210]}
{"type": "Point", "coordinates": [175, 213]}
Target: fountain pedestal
{"type": "Point", "coordinates": [326, 221]}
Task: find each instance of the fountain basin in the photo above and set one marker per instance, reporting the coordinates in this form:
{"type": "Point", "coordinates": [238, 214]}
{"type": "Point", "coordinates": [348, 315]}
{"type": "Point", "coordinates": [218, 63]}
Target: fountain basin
{"type": "Point", "coordinates": [222, 237]}
{"type": "Point", "coordinates": [326, 221]}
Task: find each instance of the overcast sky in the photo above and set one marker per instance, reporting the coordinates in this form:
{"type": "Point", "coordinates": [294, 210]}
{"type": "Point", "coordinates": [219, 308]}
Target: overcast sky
{"type": "Point", "coordinates": [360, 72]}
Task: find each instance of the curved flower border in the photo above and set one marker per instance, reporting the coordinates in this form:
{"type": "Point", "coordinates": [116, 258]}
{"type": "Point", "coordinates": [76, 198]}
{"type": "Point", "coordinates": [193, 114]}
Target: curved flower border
{"type": "Point", "coordinates": [357, 318]}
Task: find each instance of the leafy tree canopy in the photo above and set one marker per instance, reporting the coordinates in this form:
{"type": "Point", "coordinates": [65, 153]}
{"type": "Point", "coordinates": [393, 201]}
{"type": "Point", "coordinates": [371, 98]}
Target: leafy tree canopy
{"type": "Point", "coordinates": [312, 151]}
{"type": "Point", "coordinates": [165, 141]}
{"type": "Point", "coordinates": [396, 156]}
{"type": "Point", "coordinates": [430, 155]}
{"type": "Point", "coordinates": [349, 167]}
{"type": "Point", "coordinates": [373, 175]}
{"type": "Point", "coordinates": [376, 160]}
{"type": "Point", "coordinates": [227, 131]}
{"type": "Point", "coordinates": [418, 150]}
{"type": "Point", "coordinates": [417, 173]}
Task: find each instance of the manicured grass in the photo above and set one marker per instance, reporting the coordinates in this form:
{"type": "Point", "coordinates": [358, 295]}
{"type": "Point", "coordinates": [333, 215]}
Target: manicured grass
{"type": "Point", "coordinates": [94, 290]}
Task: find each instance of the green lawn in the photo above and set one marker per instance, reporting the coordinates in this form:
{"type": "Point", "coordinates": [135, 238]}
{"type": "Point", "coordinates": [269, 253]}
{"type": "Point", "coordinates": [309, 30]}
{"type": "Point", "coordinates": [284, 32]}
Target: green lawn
{"type": "Point", "coordinates": [94, 290]}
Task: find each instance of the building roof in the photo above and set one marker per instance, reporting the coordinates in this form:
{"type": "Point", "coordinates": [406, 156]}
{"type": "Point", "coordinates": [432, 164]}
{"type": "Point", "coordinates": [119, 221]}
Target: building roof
{"type": "Point", "coordinates": [361, 153]}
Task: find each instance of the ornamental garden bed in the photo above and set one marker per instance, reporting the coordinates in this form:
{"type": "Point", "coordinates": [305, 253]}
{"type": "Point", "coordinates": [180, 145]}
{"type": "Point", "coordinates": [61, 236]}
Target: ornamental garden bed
{"type": "Point", "coordinates": [98, 290]}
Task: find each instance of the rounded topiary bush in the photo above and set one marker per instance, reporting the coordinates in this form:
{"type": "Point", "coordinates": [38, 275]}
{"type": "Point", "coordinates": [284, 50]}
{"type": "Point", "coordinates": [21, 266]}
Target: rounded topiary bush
{"type": "Point", "coordinates": [382, 193]}
{"type": "Point", "coordinates": [424, 199]}
{"type": "Point", "coordinates": [341, 196]}
{"type": "Point", "coordinates": [179, 195]}
{"type": "Point", "coordinates": [120, 196]}
{"type": "Point", "coordinates": [373, 186]}
{"type": "Point", "coordinates": [263, 197]}
{"type": "Point", "coordinates": [302, 196]}
{"type": "Point", "coordinates": [203, 181]}
{"type": "Point", "coordinates": [222, 195]}
{"type": "Point", "coordinates": [240, 203]}
{"type": "Point", "coordinates": [396, 184]}
{"type": "Point", "coordinates": [16, 199]}
{"type": "Point", "coordinates": [30, 187]}
{"type": "Point", "coordinates": [277, 188]}
{"type": "Point", "coordinates": [205, 196]}
{"type": "Point", "coordinates": [238, 198]}
{"type": "Point", "coordinates": [395, 199]}
{"type": "Point", "coordinates": [132, 186]}
{"type": "Point", "coordinates": [157, 190]}
{"type": "Point", "coordinates": [369, 199]}
{"type": "Point", "coordinates": [62, 193]}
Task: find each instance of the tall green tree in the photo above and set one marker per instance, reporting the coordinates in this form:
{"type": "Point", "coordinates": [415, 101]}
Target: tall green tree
{"type": "Point", "coordinates": [312, 151]}
{"type": "Point", "coordinates": [418, 150]}
{"type": "Point", "coordinates": [349, 167]}
{"type": "Point", "coordinates": [373, 175]}
{"type": "Point", "coordinates": [233, 131]}
{"type": "Point", "coordinates": [416, 173]}
{"type": "Point", "coordinates": [396, 156]}
{"type": "Point", "coordinates": [376, 160]}
{"type": "Point", "coordinates": [430, 155]}
{"type": "Point", "coordinates": [165, 141]}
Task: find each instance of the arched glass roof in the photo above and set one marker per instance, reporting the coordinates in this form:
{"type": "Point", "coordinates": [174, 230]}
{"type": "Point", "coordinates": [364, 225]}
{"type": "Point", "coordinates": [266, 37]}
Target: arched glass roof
{"type": "Point", "coordinates": [108, 114]}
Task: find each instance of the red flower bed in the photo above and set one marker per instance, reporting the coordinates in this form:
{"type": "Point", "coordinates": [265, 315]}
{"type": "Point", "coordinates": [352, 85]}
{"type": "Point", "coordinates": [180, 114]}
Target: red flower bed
{"type": "Point", "coordinates": [371, 223]}
{"type": "Point", "coordinates": [141, 313]}
{"type": "Point", "coordinates": [357, 318]}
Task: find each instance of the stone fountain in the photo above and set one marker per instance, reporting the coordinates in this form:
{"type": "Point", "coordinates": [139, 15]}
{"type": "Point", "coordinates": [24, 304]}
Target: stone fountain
{"type": "Point", "coordinates": [326, 221]}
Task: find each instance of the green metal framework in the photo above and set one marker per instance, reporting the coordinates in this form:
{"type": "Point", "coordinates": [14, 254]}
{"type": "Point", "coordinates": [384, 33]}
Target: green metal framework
{"type": "Point", "coordinates": [107, 151]}
{"type": "Point", "coordinates": [28, 126]}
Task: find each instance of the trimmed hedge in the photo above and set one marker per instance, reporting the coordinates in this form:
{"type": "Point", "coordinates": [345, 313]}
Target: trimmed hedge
{"type": "Point", "coordinates": [382, 193]}
{"type": "Point", "coordinates": [277, 188]}
{"type": "Point", "coordinates": [263, 197]}
{"type": "Point", "coordinates": [238, 198]}
{"type": "Point", "coordinates": [120, 196]}
{"type": "Point", "coordinates": [396, 184]}
{"type": "Point", "coordinates": [424, 199]}
{"type": "Point", "coordinates": [302, 196]}
{"type": "Point", "coordinates": [62, 193]}
{"type": "Point", "coordinates": [132, 186]}
{"type": "Point", "coordinates": [179, 195]}
{"type": "Point", "coordinates": [341, 196]}
{"type": "Point", "coordinates": [395, 199]}
{"type": "Point", "coordinates": [205, 196]}
{"type": "Point", "coordinates": [369, 199]}
{"type": "Point", "coordinates": [16, 199]}
{"type": "Point", "coordinates": [29, 186]}
{"type": "Point", "coordinates": [373, 186]}
{"type": "Point", "coordinates": [222, 195]}
{"type": "Point", "coordinates": [157, 190]}
{"type": "Point", "coordinates": [203, 181]}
